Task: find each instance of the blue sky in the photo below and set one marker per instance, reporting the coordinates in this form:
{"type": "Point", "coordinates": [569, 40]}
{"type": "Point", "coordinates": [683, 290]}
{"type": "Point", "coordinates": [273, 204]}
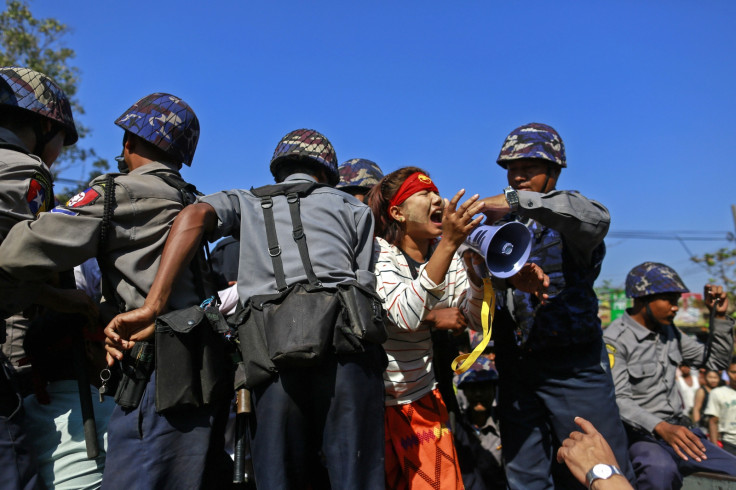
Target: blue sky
{"type": "Point", "coordinates": [641, 92]}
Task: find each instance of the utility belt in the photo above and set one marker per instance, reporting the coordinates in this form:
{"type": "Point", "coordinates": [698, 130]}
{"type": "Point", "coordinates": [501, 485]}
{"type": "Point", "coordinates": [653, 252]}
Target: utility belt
{"type": "Point", "coordinates": [303, 325]}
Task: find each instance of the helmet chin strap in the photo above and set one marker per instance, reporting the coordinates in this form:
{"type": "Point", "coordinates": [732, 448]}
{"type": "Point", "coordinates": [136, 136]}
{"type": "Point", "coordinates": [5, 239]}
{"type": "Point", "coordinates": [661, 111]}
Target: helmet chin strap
{"type": "Point", "coordinates": [546, 180]}
{"type": "Point", "coordinates": [651, 318]}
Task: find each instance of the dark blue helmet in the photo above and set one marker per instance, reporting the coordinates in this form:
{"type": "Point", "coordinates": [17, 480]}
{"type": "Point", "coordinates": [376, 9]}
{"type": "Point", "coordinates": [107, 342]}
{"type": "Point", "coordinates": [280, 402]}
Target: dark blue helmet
{"type": "Point", "coordinates": [165, 121]}
{"type": "Point", "coordinates": [533, 140]}
{"type": "Point", "coordinates": [653, 278]}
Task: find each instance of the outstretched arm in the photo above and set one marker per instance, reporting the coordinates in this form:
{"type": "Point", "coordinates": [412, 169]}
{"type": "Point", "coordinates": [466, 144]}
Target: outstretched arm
{"type": "Point", "coordinates": [184, 239]}
{"type": "Point", "coordinates": [582, 221]}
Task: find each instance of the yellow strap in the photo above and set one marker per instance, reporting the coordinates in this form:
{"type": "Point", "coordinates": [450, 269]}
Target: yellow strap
{"type": "Point", "coordinates": [463, 362]}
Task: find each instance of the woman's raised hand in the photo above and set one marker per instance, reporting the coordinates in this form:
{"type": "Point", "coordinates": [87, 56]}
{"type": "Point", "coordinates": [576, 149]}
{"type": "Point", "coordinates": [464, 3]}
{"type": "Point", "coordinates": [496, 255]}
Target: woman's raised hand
{"type": "Point", "coordinates": [458, 222]}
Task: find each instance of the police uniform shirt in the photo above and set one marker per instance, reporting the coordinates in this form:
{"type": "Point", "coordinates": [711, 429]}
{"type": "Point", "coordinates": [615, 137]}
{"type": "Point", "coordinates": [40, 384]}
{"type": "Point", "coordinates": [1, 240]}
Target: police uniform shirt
{"type": "Point", "coordinates": [144, 210]}
{"type": "Point", "coordinates": [338, 229]}
{"type": "Point", "coordinates": [582, 221]}
{"type": "Point", "coordinates": [25, 183]}
{"type": "Point", "coordinates": [644, 365]}
{"type": "Point", "coordinates": [568, 233]}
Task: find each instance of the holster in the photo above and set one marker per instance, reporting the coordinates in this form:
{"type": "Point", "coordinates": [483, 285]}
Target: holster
{"type": "Point", "coordinates": [137, 365]}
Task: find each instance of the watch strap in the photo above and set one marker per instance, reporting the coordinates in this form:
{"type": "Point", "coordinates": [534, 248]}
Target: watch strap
{"type": "Point", "coordinates": [512, 197]}
{"type": "Point", "coordinates": [592, 475]}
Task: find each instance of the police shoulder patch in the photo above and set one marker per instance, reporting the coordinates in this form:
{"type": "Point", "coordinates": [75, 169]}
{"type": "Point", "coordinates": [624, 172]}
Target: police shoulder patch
{"type": "Point", "coordinates": [611, 355]}
{"type": "Point", "coordinates": [40, 194]}
{"type": "Point", "coordinates": [84, 198]}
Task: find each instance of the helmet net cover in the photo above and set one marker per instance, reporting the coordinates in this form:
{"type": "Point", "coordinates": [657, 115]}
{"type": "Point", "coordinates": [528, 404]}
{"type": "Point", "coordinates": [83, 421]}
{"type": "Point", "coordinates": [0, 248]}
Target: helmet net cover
{"type": "Point", "coordinates": [359, 172]}
{"type": "Point", "coordinates": [533, 140]}
{"type": "Point", "coordinates": [30, 90]}
{"type": "Point", "coordinates": [311, 144]}
{"type": "Point", "coordinates": [165, 121]}
{"type": "Point", "coordinates": [653, 278]}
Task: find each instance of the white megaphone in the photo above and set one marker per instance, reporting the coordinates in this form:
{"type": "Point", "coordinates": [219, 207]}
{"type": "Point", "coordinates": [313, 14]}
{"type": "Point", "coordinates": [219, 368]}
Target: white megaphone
{"type": "Point", "coordinates": [505, 248]}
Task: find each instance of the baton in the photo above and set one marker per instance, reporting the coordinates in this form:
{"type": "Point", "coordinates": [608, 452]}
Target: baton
{"type": "Point", "coordinates": [711, 330]}
{"type": "Point", "coordinates": [243, 404]}
{"type": "Point", "coordinates": [85, 396]}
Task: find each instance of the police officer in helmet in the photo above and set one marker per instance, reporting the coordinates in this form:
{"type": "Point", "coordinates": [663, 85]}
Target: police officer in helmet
{"type": "Point", "coordinates": [550, 357]}
{"type": "Point", "coordinates": [644, 350]}
{"type": "Point", "coordinates": [124, 220]}
{"type": "Point", "coordinates": [36, 122]}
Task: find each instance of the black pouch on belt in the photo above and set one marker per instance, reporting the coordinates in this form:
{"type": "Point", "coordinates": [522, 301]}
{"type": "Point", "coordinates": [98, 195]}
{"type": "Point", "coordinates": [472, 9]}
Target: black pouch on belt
{"type": "Point", "coordinates": [192, 354]}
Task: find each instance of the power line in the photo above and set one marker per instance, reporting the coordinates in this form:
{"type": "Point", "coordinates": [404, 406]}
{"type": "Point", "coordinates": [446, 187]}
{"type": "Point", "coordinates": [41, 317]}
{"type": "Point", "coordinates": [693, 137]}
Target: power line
{"type": "Point", "coordinates": [678, 235]}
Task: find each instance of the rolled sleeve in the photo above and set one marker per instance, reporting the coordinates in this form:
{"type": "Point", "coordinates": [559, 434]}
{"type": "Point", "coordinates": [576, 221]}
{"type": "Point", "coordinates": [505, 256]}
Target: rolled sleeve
{"type": "Point", "coordinates": [722, 346]}
{"type": "Point", "coordinates": [227, 206]}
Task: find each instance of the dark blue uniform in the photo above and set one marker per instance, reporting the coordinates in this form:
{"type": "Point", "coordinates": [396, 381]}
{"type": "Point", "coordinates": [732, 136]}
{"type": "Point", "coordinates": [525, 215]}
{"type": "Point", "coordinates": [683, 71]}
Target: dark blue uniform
{"type": "Point", "coordinates": [551, 359]}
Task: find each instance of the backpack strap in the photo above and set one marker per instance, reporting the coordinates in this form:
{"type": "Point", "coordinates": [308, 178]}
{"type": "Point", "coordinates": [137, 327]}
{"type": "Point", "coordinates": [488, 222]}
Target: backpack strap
{"type": "Point", "coordinates": [274, 250]}
{"type": "Point", "coordinates": [300, 238]}
{"type": "Point", "coordinates": [109, 209]}
{"type": "Point", "coordinates": [188, 195]}
{"type": "Point", "coordinates": [188, 192]}
{"type": "Point", "coordinates": [293, 192]}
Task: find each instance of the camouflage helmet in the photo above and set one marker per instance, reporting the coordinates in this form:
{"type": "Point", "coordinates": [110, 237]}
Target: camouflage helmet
{"type": "Point", "coordinates": [165, 121]}
{"type": "Point", "coordinates": [482, 369]}
{"type": "Point", "coordinates": [33, 91]}
{"type": "Point", "coordinates": [359, 172]}
{"type": "Point", "coordinates": [307, 143]}
{"type": "Point", "coordinates": [653, 278]}
{"type": "Point", "coordinates": [533, 140]}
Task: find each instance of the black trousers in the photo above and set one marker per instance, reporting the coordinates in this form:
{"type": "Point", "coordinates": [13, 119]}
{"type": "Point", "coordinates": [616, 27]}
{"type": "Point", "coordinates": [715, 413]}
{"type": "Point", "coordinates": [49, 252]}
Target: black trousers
{"type": "Point", "coordinates": [325, 417]}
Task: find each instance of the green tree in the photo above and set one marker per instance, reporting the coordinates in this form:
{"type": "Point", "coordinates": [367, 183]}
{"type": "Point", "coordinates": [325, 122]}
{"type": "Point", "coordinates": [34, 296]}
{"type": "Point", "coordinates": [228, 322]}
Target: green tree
{"type": "Point", "coordinates": [721, 265]}
{"type": "Point", "coordinates": [37, 44]}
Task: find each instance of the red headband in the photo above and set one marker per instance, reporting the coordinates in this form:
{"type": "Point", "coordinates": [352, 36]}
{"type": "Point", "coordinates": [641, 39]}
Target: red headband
{"type": "Point", "coordinates": [414, 183]}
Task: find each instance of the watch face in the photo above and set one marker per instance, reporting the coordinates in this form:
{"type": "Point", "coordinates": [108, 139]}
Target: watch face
{"type": "Point", "coordinates": [602, 471]}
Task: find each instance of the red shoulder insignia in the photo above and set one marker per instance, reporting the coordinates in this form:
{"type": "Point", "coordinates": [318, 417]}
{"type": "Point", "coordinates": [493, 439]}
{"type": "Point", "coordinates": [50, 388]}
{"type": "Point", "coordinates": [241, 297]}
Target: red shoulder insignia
{"type": "Point", "coordinates": [84, 198]}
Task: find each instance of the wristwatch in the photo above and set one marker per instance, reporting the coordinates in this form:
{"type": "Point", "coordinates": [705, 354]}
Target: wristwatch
{"type": "Point", "coordinates": [512, 197]}
{"type": "Point", "coordinates": [601, 472]}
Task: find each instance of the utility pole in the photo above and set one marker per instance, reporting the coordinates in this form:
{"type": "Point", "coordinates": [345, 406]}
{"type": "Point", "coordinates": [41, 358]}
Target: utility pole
{"type": "Point", "coordinates": [733, 212]}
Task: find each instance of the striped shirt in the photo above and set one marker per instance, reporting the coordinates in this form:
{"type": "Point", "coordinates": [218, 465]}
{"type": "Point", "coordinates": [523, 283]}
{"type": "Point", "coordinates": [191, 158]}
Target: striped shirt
{"type": "Point", "coordinates": [409, 375]}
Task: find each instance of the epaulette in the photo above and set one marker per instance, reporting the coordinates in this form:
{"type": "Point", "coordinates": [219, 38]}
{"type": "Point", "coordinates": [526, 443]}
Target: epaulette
{"type": "Point", "coordinates": [615, 329]}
